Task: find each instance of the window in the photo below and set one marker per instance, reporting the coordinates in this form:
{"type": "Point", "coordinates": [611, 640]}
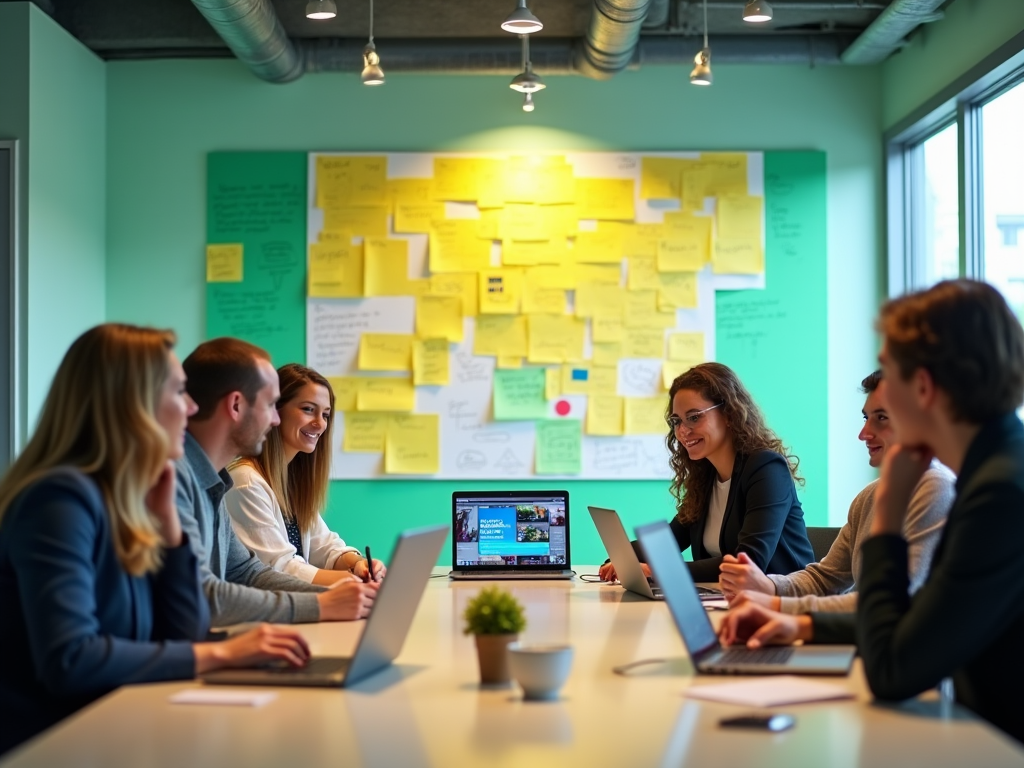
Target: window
{"type": "Point", "coordinates": [937, 232]}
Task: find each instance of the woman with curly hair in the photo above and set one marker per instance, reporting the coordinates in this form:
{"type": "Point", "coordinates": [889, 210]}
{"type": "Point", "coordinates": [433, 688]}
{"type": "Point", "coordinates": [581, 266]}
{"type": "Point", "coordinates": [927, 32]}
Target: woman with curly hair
{"type": "Point", "coordinates": [734, 479]}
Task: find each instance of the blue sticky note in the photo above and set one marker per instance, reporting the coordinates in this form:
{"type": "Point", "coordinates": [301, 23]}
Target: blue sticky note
{"type": "Point", "coordinates": [580, 374]}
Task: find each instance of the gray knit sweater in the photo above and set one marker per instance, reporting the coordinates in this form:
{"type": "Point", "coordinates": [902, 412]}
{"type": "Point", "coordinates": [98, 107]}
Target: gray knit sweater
{"type": "Point", "coordinates": [827, 585]}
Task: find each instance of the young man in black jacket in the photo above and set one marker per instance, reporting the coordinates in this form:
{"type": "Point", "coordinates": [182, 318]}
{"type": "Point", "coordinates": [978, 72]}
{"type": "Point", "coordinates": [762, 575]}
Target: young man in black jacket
{"type": "Point", "coordinates": [953, 363]}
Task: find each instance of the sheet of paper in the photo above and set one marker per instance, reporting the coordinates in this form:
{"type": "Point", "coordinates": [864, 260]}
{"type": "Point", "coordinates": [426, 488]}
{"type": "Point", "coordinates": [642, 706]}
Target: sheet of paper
{"type": "Point", "coordinates": [598, 247]}
{"type": "Point", "coordinates": [365, 432]}
{"type": "Point", "coordinates": [226, 697]}
{"type": "Point", "coordinates": [454, 247]}
{"type": "Point", "coordinates": [678, 290]}
{"type": "Point", "coordinates": [643, 342]}
{"type": "Point", "coordinates": [605, 199]}
{"type": "Point", "coordinates": [686, 242]}
{"type": "Point", "coordinates": [385, 352]}
{"type": "Point", "coordinates": [461, 284]}
{"type": "Point", "coordinates": [412, 446]}
{"type": "Point", "coordinates": [604, 415]}
{"type": "Point", "coordinates": [430, 362]}
{"type": "Point", "coordinates": [224, 263]}
{"type": "Point", "coordinates": [386, 394]}
{"type": "Point", "coordinates": [439, 317]}
{"type": "Point", "coordinates": [519, 394]}
{"type": "Point", "coordinates": [362, 221]}
{"type": "Point", "coordinates": [501, 291]}
{"type": "Point", "coordinates": [559, 447]}
{"type": "Point", "coordinates": [642, 274]}
{"type": "Point", "coordinates": [645, 416]}
{"type": "Point", "coordinates": [335, 270]}
{"type": "Point", "coordinates": [686, 346]}
{"type": "Point", "coordinates": [500, 335]}
{"type": "Point", "coordinates": [769, 691]}
{"type": "Point", "coordinates": [386, 267]}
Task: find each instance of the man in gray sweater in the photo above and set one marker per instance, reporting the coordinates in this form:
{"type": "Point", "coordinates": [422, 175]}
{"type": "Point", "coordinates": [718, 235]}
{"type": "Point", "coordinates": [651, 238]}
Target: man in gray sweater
{"type": "Point", "coordinates": [236, 390]}
{"type": "Point", "coordinates": [829, 585]}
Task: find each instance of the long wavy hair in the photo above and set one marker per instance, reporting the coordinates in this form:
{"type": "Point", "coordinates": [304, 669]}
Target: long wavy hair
{"type": "Point", "coordinates": [100, 418]}
{"type": "Point", "coordinates": [694, 480]}
{"type": "Point", "coordinates": [300, 486]}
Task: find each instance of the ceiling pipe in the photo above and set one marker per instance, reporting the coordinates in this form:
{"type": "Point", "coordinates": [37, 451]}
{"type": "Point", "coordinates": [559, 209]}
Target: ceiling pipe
{"type": "Point", "coordinates": [888, 32]}
{"type": "Point", "coordinates": [657, 15]}
{"type": "Point", "coordinates": [252, 31]}
{"type": "Point", "coordinates": [612, 36]}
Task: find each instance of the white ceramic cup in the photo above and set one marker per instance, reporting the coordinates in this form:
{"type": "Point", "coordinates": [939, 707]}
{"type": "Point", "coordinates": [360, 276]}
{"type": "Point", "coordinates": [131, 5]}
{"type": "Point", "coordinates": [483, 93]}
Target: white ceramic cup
{"type": "Point", "coordinates": [541, 670]}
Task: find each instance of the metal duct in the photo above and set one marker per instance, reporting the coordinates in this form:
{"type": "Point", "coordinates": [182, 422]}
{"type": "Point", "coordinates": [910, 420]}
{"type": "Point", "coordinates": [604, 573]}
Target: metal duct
{"type": "Point", "coordinates": [887, 32]}
{"type": "Point", "coordinates": [611, 38]}
{"type": "Point", "coordinates": [252, 31]}
{"type": "Point", "coordinates": [657, 15]}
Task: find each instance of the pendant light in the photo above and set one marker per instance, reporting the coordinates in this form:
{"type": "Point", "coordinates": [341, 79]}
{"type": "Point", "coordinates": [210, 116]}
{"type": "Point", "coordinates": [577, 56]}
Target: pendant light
{"type": "Point", "coordinates": [521, 21]}
{"type": "Point", "coordinates": [528, 105]}
{"type": "Point", "coordinates": [701, 74]}
{"type": "Point", "coordinates": [757, 11]}
{"type": "Point", "coordinates": [526, 81]}
{"type": "Point", "coordinates": [321, 9]}
{"type": "Point", "coordinates": [372, 73]}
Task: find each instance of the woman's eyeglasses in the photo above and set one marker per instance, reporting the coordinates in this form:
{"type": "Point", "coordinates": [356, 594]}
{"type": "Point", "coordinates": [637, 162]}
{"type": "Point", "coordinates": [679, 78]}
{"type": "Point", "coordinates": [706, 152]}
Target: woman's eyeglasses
{"type": "Point", "coordinates": [690, 420]}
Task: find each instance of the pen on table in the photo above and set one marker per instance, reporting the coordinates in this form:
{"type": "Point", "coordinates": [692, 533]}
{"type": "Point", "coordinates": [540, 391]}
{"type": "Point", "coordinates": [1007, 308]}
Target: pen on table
{"type": "Point", "coordinates": [369, 565]}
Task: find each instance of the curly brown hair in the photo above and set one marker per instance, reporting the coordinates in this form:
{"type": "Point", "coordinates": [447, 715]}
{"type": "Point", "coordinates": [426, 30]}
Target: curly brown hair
{"type": "Point", "coordinates": [694, 480]}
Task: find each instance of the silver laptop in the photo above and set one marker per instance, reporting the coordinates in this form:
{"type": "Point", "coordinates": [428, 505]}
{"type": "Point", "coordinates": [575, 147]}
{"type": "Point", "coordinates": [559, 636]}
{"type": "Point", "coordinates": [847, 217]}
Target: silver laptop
{"type": "Point", "coordinates": [624, 558]}
{"type": "Point", "coordinates": [510, 535]}
{"type": "Point", "coordinates": [385, 630]}
{"type": "Point", "coordinates": [699, 636]}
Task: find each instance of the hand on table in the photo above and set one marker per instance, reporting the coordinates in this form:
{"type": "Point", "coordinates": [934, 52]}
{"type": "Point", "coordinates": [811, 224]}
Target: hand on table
{"type": "Point", "coordinates": [739, 573]}
{"type": "Point", "coordinates": [266, 643]}
{"type": "Point", "coordinates": [347, 600]}
{"type": "Point", "coordinates": [757, 626]}
{"type": "Point", "coordinates": [771, 602]}
{"type": "Point", "coordinates": [379, 571]}
{"type": "Point", "coordinates": [607, 571]}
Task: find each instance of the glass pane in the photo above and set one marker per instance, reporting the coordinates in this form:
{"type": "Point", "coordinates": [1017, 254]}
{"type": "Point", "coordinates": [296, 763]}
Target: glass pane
{"type": "Point", "coordinates": [1003, 208]}
{"type": "Point", "coordinates": [940, 228]}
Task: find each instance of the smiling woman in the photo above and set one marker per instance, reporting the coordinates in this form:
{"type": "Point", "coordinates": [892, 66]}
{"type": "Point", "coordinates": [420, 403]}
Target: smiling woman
{"type": "Point", "coordinates": [276, 498]}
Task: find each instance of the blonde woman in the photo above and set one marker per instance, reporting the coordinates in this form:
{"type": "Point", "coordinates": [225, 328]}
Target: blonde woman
{"type": "Point", "coordinates": [276, 497]}
{"type": "Point", "coordinates": [98, 586]}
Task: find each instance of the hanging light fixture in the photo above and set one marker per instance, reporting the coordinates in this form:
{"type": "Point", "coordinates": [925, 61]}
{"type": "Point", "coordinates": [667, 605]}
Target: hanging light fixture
{"type": "Point", "coordinates": [521, 21]}
{"type": "Point", "coordinates": [757, 11]}
{"type": "Point", "coordinates": [701, 74]}
{"type": "Point", "coordinates": [526, 81]}
{"type": "Point", "coordinates": [321, 9]}
{"type": "Point", "coordinates": [372, 73]}
{"type": "Point", "coordinates": [528, 105]}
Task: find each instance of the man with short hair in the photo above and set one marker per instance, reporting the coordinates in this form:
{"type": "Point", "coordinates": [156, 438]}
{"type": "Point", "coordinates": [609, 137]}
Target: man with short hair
{"type": "Point", "coordinates": [828, 585]}
{"type": "Point", "coordinates": [235, 388]}
{"type": "Point", "coordinates": [953, 367]}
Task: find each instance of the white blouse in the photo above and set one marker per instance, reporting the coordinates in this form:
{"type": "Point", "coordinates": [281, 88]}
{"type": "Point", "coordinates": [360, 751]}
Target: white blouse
{"type": "Point", "coordinates": [716, 516]}
{"type": "Point", "coordinates": [259, 524]}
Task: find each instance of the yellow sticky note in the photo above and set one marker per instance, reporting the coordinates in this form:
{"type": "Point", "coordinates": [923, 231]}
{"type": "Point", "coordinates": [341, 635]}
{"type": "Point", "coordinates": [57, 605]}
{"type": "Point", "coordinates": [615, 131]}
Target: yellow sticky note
{"type": "Point", "coordinates": [598, 247]}
{"type": "Point", "coordinates": [500, 335]}
{"type": "Point", "coordinates": [641, 311]}
{"type": "Point", "coordinates": [640, 239]}
{"type": "Point", "coordinates": [644, 416]}
{"type": "Point", "coordinates": [381, 394]}
{"type": "Point", "coordinates": [605, 199]}
{"type": "Point", "coordinates": [501, 291]}
{"type": "Point", "coordinates": [607, 274]}
{"type": "Point", "coordinates": [743, 257]}
{"type": "Point", "coordinates": [490, 182]}
{"type": "Point", "coordinates": [659, 177]}
{"type": "Point", "coordinates": [369, 221]}
{"type": "Point", "coordinates": [365, 432]}
{"type": "Point", "coordinates": [461, 284]}
{"type": "Point", "coordinates": [606, 328]}
{"type": "Point", "coordinates": [594, 299]}
{"type": "Point", "coordinates": [553, 277]}
{"type": "Point", "coordinates": [643, 342]}
{"type": "Point", "coordinates": [224, 263]}
{"type": "Point", "coordinates": [525, 253]}
{"type": "Point", "coordinates": [678, 290]}
{"type": "Point", "coordinates": [604, 415]}
{"type": "Point", "coordinates": [346, 389]}
{"type": "Point", "coordinates": [555, 339]}
{"type": "Point", "coordinates": [552, 383]}
{"type": "Point", "coordinates": [416, 217]}
{"type": "Point", "coordinates": [674, 368]}
{"type": "Point", "coordinates": [410, 190]}
{"type": "Point", "coordinates": [523, 221]}
{"type": "Point", "coordinates": [385, 352]}
{"type": "Point", "coordinates": [686, 346]}
{"type": "Point", "coordinates": [430, 362]}
{"type": "Point", "coordinates": [575, 379]}
{"type": "Point", "coordinates": [351, 180]}
{"type": "Point", "coordinates": [439, 317]}
{"type": "Point", "coordinates": [454, 247]}
{"type": "Point", "coordinates": [488, 226]}
{"type": "Point", "coordinates": [739, 217]}
{"type": "Point", "coordinates": [386, 267]}
{"type": "Point", "coordinates": [604, 380]}
{"type": "Point", "coordinates": [686, 243]}
{"type": "Point", "coordinates": [335, 270]}
{"type": "Point", "coordinates": [413, 445]}
{"type": "Point", "coordinates": [538, 299]}
{"type": "Point", "coordinates": [726, 171]}
{"type": "Point", "coordinates": [455, 178]}
{"type": "Point", "coordinates": [560, 220]}
{"type": "Point", "coordinates": [642, 274]}
{"type": "Point", "coordinates": [607, 352]}
{"type": "Point", "coordinates": [510, 361]}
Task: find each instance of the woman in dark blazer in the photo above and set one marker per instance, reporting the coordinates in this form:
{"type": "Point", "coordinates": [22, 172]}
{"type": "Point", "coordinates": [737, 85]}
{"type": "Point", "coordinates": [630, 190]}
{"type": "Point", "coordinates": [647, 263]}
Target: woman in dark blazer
{"type": "Point", "coordinates": [98, 585]}
{"type": "Point", "coordinates": [734, 480]}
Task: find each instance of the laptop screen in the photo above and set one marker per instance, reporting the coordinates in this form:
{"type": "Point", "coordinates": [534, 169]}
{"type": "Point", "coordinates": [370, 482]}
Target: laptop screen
{"type": "Point", "coordinates": [510, 529]}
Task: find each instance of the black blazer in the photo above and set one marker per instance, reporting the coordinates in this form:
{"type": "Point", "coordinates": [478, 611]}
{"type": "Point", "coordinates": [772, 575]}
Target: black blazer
{"type": "Point", "coordinates": [763, 518]}
{"type": "Point", "coordinates": [76, 625]}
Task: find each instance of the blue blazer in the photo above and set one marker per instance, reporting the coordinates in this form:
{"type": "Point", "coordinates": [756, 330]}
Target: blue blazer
{"type": "Point", "coordinates": [76, 625]}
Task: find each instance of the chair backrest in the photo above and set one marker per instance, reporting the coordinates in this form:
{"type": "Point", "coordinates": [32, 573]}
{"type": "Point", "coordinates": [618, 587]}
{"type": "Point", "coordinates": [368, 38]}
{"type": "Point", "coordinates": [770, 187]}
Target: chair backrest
{"type": "Point", "coordinates": [821, 540]}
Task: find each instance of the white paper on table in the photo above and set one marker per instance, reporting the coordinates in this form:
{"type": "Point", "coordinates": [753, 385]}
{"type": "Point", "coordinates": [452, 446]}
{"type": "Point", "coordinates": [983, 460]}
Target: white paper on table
{"type": "Point", "coordinates": [717, 604]}
{"type": "Point", "coordinates": [223, 697]}
{"type": "Point", "coordinates": [769, 691]}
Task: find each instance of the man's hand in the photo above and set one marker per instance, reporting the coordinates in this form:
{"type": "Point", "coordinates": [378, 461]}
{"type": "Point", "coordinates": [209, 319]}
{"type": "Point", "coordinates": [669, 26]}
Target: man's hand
{"type": "Point", "coordinates": [347, 600]}
{"type": "Point", "coordinates": [736, 574]}
{"type": "Point", "coordinates": [757, 626]}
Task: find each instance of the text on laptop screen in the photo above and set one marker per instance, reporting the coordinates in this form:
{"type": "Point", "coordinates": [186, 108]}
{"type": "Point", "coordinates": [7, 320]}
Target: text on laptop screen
{"type": "Point", "coordinates": [526, 530]}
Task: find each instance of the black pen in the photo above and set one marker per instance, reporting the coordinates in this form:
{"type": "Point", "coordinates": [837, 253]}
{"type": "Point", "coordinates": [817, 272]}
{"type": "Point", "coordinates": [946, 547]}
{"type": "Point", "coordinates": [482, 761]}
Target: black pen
{"type": "Point", "coordinates": [369, 565]}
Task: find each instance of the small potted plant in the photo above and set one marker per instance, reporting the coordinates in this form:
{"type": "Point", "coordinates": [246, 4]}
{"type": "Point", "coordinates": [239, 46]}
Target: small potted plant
{"type": "Point", "coordinates": [495, 618]}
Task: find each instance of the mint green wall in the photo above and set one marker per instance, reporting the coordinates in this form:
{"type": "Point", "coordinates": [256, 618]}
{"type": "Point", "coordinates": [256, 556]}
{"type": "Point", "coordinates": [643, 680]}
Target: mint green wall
{"type": "Point", "coordinates": [939, 53]}
{"type": "Point", "coordinates": [164, 116]}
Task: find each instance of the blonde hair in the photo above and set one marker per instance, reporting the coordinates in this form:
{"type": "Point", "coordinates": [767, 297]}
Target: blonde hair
{"type": "Point", "coordinates": [301, 486]}
{"type": "Point", "coordinates": [100, 418]}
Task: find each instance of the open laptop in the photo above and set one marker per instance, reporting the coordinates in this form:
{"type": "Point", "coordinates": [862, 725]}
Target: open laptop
{"type": "Point", "coordinates": [385, 630]}
{"type": "Point", "coordinates": [699, 636]}
{"type": "Point", "coordinates": [627, 564]}
{"type": "Point", "coordinates": [510, 535]}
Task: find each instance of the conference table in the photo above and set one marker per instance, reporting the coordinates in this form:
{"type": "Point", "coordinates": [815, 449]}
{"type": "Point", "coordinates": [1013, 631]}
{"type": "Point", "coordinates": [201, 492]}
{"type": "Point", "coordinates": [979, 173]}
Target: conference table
{"type": "Point", "coordinates": [429, 709]}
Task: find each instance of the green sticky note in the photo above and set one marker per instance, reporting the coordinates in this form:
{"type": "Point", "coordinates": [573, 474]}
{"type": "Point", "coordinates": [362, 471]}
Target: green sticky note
{"type": "Point", "coordinates": [559, 445]}
{"type": "Point", "coordinates": [519, 394]}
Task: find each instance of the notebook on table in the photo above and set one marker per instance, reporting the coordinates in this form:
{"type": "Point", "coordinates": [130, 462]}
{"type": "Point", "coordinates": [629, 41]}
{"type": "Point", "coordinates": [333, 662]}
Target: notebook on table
{"type": "Point", "coordinates": [699, 635]}
{"type": "Point", "coordinates": [385, 631]}
{"type": "Point", "coordinates": [627, 564]}
{"type": "Point", "coordinates": [510, 535]}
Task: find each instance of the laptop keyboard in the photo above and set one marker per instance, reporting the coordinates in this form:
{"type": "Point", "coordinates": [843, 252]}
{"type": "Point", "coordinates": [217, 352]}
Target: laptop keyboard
{"type": "Point", "coordinates": [754, 656]}
{"type": "Point", "coordinates": [325, 665]}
